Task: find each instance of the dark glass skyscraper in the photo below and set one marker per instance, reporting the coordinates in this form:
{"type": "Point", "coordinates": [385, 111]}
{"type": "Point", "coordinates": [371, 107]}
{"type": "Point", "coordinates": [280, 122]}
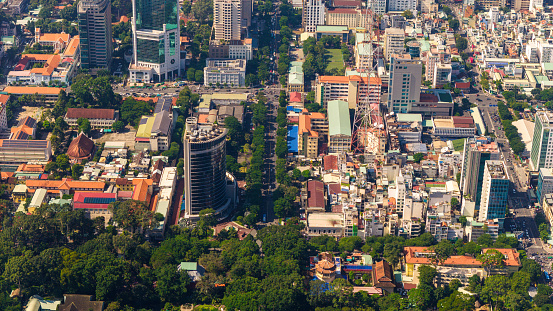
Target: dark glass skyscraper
{"type": "Point", "coordinates": [95, 33]}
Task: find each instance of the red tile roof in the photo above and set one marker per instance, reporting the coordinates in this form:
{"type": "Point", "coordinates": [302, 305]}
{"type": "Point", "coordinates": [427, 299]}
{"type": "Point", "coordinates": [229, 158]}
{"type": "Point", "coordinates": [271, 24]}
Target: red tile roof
{"type": "Point", "coordinates": [315, 194]}
{"type": "Point", "coordinates": [75, 113]}
{"type": "Point", "coordinates": [295, 97]}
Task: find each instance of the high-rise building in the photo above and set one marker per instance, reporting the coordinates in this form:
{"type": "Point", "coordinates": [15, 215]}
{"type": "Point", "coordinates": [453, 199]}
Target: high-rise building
{"type": "Point", "coordinates": [377, 6]}
{"type": "Point", "coordinates": [541, 155]}
{"type": "Point", "coordinates": [156, 40]}
{"type": "Point", "coordinates": [394, 39]}
{"type": "Point", "coordinates": [495, 192]}
{"type": "Point", "coordinates": [95, 33]}
{"type": "Point", "coordinates": [313, 14]}
{"type": "Point", "coordinates": [227, 19]}
{"type": "Point", "coordinates": [205, 177]}
{"type": "Point", "coordinates": [545, 183]}
{"type": "Point", "coordinates": [475, 154]}
{"type": "Point", "coordinates": [404, 87]}
{"type": "Point", "coordinates": [403, 5]}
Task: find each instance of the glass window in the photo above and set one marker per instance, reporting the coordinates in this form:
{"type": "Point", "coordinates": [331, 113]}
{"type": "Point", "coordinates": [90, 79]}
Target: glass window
{"type": "Point", "coordinates": [172, 44]}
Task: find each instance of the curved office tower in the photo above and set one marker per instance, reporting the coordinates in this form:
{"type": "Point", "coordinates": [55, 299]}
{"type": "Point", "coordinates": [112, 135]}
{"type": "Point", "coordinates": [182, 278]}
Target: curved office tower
{"type": "Point", "coordinates": [205, 177]}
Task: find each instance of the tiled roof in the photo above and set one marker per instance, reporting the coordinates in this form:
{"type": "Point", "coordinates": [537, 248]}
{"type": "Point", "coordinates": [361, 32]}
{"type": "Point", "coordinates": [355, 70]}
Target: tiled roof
{"type": "Point", "coordinates": [35, 184]}
{"type": "Point", "coordinates": [31, 90]}
{"type": "Point", "coordinates": [315, 194]}
{"type": "Point", "coordinates": [75, 113]}
{"type": "Point", "coordinates": [419, 255]}
{"type": "Point", "coordinates": [81, 147]}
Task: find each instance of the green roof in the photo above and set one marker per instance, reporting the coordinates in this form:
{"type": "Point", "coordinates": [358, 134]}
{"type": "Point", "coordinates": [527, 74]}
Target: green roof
{"type": "Point", "coordinates": [296, 63]}
{"type": "Point", "coordinates": [540, 79]}
{"type": "Point", "coordinates": [548, 66]}
{"type": "Point", "coordinates": [326, 28]}
{"type": "Point", "coordinates": [368, 259]}
{"type": "Point", "coordinates": [425, 45]}
{"type": "Point", "coordinates": [427, 123]}
{"type": "Point", "coordinates": [338, 118]}
{"type": "Point", "coordinates": [188, 266]}
{"type": "Point", "coordinates": [445, 97]}
{"type": "Point", "coordinates": [409, 117]}
{"type": "Point", "coordinates": [295, 78]}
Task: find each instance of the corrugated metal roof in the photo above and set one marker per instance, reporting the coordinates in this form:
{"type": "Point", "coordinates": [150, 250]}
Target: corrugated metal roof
{"type": "Point", "coordinates": [338, 118]}
{"type": "Point", "coordinates": [161, 123]}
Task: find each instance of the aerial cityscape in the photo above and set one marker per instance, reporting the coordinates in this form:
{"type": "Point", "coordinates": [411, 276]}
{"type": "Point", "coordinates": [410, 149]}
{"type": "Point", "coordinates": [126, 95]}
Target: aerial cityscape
{"type": "Point", "coordinates": [338, 155]}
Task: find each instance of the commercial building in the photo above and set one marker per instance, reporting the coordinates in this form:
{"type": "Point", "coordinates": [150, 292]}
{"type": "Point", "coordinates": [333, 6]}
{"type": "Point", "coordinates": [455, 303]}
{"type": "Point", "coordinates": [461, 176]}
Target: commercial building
{"type": "Point", "coordinates": [313, 14]}
{"type": "Point", "coordinates": [547, 206]}
{"type": "Point", "coordinates": [476, 152]}
{"type": "Point", "coordinates": [98, 118]}
{"type": "Point", "coordinates": [235, 49]}
{"type": "Point", "coordinates": [442, 75]}
{"type": "Point", "coordinates": [378, 6]}
{"type": "Point", "coordinates": [405, 84]}
{"type": "Point", "coordinates": [541, 155]}
{"type": "Point", "coordinates": [488, 4]}
{"type": "Point", "coordinates": [331, 224]}
{"type": "Point", "coordinates": [231, 72]}
{"type": "Point", "coordinates": [403, 5]}
{"type": "Point", "coordinates": [545, 183]}
{"type": "Point", "coordinates": [95, 34]}
{"type": "Point", "coordinates": [456, 267]}
{"type": "Point", "coordinates": [453, 127]}
{"type": "Point", "coordinates": [348, 88]}
{"type": "Point", "coordinates": [227, 19]}
{"type": "Point", "coordinates": [205, 177]}
{"type": "Point", "coordinates": [312, 127]}
{"type": "Point", "coordinates": [154, 132]}
{"type": "Point", "coordinates": [394, 41]}
{"type": "Point", "coordinates": [156, 38]}
{"type": "Point", "coordinates": [339, 127]}
{"type": "Point", "coordinates": [94, 204]}
{"type": "Point", "coordinates": [495, 192]}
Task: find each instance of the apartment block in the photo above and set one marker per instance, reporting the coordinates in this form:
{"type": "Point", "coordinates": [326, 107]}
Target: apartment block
{"type": "Point", "coordinates": [541, 155]}
{"type": "Point", "coordinates": [393, 42]}
{"type": "Point", "coordinates": [350, 88]}
{"type": "Point", "coordinates": [95, 33]}
{"type": "Point", "coordinates": [495, 192]}
{"type": "Point", "coordinates": [227, 19]}
{"type": "Point", "coordinates": [405, 83]}
{"type": "Point", "coordinates": [403, 5]}
{"type": "Point", "coordinates": [313, 14]}
{"type": "Point", "coordinates": [545, 183]}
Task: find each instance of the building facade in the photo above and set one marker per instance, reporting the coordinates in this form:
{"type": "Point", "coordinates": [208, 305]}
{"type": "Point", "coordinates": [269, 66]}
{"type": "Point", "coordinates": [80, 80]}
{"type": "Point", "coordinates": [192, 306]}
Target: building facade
{"type": "Point", "coordinates": [95, 33]}
{"type": "Point", "coordinates": [313, 14]}
{"type": "Point", "coordinates": [545, 183]}
{"type": "Point", "coordinates": [495, 192]}
{"type": "Point", "coordinates": [394, 42]}
{"type": "Point", "coordinates": [541, 155]}
{"type": "Point", "coordinates": [231, 72]}
{"type": "Point", "coordinates": [205, 179]}
{"type": "Point", "coordinates": [227, 19]}
{"type": "Point", "coordinates": [339, 129]}
{"type": "Point", "coordinates": [405, 84]}
{"type": "Point", "coordinates": [156, 41]}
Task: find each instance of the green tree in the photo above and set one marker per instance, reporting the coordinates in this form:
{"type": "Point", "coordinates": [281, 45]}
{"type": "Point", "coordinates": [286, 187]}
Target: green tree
{"type": "Point", "coordinates": [84, 125]}
{"type": "Point", "coordinates": [118, 126]}
{"type": "Point", "coordinates": [495, 289]}
{"type": "Point", "coordinates": [171, 284]}
{"type": "Point", "coordinates": [457, 302]}
{"type": "Point", "coordinates": [427, 275]}
{"type": "Point", "coordinates": [76, 171]}
{"type": "Point", "coordinates": [408, 14]}
{"type": "Point", "coordinates": [417, 157]}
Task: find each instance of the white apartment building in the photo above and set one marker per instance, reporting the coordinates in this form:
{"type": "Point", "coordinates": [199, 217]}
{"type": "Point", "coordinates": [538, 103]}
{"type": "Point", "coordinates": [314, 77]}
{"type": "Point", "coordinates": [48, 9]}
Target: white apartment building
{"type": "Point", "coordinates": [313, 14]}
{"type": "Point", "coordinates": [545, 184]}
{"type": "Point", "coordinates": [403, 5]}
{"type": "Point", "coordinates": [494, 14]}
{"type": "Point", "coordinates": [545, 51]}
{"type": "Point", "coordinates": [231, 72]}
{"type": "Point", "coordinates": [227, 19]}
{"type": "Point", "coordinates": [394, 41]}
{"type": "Point", "coordinates": [377, 6]}
{"type": "Point", "coordinates": [405, 83]}
{"type": "Point", "coordinates": [442, 75]}
{"type": "Point", "coordinates": [399, 192]}
{"type": "Point", "coordinates": [532, 52]}
{"type": "Point", "coordinates": [347, 88]}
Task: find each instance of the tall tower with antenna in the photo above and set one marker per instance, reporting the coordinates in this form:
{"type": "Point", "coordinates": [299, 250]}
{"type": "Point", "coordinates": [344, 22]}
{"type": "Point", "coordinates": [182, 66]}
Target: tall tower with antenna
{"type": "Point", "coordinates": [367, 114]}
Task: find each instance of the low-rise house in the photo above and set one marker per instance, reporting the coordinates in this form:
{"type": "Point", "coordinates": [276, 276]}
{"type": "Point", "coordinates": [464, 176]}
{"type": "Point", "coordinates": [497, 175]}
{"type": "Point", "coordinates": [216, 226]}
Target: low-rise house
{"type": "Point", "coordinates": [64, 186]}
{"type": "Point", "coordinates": [72, 302]}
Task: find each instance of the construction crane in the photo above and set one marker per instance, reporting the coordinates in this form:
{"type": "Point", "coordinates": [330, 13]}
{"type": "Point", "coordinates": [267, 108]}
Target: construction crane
{"type": "Point", "coordinates": [367, 113]}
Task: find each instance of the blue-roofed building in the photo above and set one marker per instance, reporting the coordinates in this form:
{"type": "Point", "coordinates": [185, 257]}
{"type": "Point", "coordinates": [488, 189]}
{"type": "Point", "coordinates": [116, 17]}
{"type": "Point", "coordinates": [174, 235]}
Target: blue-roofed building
{"type": "Point", "coordinates": [292, 139]}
